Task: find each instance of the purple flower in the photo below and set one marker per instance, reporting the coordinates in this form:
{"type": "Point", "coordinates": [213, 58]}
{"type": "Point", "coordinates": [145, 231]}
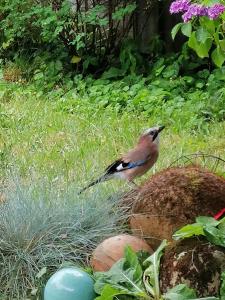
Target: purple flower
{"type": "Point", "coordinates": [215, 11]}
{"type": "Point", "coordinates": [179, 6]}
{"type": "Point", "coordinates": [194, 10]}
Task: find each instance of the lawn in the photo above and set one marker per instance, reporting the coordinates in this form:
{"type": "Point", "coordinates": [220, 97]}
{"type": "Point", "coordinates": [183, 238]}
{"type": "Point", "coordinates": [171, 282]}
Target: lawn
{"type": "Point", "coordinates": [40, 136]}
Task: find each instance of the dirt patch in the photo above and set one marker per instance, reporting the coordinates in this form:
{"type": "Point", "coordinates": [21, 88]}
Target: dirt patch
{"type": "Point", "coordinates": [194, 262]}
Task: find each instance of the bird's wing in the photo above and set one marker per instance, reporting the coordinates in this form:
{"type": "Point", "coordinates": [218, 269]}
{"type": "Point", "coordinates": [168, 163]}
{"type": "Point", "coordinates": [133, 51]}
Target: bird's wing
{"type": "Point", "coordinates": [121, 165]}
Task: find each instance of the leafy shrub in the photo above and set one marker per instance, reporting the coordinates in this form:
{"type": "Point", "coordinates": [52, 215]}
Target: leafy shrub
{"type": "Point", "coordinates": [204, 27]}
{"type": "Point", "coordinates": [80, 36]}
{"type": "Point", "coordinates": [42, 228]}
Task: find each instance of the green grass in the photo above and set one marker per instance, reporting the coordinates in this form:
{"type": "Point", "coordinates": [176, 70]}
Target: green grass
{"type": "Point", "coordinates": [43, 137]}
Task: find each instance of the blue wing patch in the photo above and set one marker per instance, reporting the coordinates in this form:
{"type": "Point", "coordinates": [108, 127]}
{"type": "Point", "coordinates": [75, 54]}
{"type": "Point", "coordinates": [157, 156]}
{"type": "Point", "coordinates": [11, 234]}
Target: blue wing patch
{"type": "Point", "coordinates": [137, 163]}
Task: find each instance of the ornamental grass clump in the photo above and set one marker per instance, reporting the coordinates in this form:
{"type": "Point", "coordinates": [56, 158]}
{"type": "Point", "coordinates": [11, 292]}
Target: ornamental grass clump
{"type": "Point", "coordinates": [42, 229]}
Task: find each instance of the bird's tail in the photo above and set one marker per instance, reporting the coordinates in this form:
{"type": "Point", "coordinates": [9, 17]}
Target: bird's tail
{"type": "Point", "coordinates": [102, 178]}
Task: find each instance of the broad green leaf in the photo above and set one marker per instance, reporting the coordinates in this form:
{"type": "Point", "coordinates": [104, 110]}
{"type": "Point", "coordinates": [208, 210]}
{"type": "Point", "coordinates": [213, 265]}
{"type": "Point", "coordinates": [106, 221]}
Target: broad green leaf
{"type": "Point", "coordinates": [202, 49]}
{"type": "Point", "coordinates": [215, 236]}
{"type": "Point", "coordinates": [222, 286]}
{"type": "Point", "coordinates": [202, 35]}
{"type": "Point", "coordinates": [175, 30]}
{"type": "Point", "coordinates": [207, 221]}
{"type": "Point", "coordinates": [218, 57]}
{"type": "Point", "coordinates": [180, 292]}
{"type": "Point", "coordinates": [186, 29]}
{"type": "Point", "coordinates": [192, 42]}
{"type": "Point", "coordinates": [208, 24]}
{"type": "Point", "coordinates": [125, 276]}
{"type": "Point", "coordinates": [109, 292]}
{"type": "Point", "coordinates": [188, 231]}
{"type": "Point", "coordinates": [151, 273]}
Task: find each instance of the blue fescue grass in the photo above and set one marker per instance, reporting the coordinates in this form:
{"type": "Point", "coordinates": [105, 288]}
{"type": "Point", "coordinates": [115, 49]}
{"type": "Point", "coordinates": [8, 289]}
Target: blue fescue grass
{"type": "Point", "coordinates": [41, 226]}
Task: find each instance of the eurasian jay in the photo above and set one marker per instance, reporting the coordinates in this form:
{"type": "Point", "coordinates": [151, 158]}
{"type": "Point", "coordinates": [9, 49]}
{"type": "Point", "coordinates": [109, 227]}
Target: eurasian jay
{"type": "Point", "coordinates": [136, 162]}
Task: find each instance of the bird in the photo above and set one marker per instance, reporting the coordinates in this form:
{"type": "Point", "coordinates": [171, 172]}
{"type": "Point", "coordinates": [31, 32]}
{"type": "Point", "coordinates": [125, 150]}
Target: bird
{"type": "Point", "coordinates": [135, 162]}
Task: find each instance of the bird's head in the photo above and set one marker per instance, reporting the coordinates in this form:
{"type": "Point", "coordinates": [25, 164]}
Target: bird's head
{"type": "Point", "coordinates": [153, 133]}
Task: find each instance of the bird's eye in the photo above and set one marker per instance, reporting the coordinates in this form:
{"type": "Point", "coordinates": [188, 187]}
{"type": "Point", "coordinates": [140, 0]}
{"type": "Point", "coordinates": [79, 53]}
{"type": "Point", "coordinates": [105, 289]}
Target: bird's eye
{"type": "Point", "coordinates": [151, 132]}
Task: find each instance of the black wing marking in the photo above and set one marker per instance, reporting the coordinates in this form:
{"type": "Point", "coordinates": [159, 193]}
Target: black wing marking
{"type": "Point", "coordinates": [113, 167]}
{"type": "Point", "coordinates": [119, 165]}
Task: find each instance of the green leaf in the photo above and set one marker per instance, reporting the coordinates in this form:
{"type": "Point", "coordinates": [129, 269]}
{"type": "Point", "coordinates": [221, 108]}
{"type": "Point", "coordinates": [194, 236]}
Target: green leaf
{"type": "Point", "coordinates": [218, 57]}
{"type": "Point", "coordinates": [208, 24]}
{"type": "Point", "coordinates": [175, 30]}
{"type": "Point", "coordinates": [188, 231]}
{"type": "Point", "coordinates": [222, 45]}
{"type": "Point", "coordinates": [109, 292]}
{"type": "Point", "coordinates": [186, 29]}
{"type": "Point", "coordinates": [215, 236]}
{"type": "Point", "coordinates": [207, 221]}
{"type": "Point", "coordinates": [113, 73]}
{"type": "Point", "coordinates": [75, 59]}
{"type": "Point", "coordinates": [121, 12]}
{"type": "Point", "coordinates": [125, 276]}
{"type": "Point", "coordinates": [202, 35]}
{"type": "Point", "coordinates": [202, 49]}
{"type": "Point", "coordinates": [180, 292]}
{"type": "Point", "coordinates": [151, 273]}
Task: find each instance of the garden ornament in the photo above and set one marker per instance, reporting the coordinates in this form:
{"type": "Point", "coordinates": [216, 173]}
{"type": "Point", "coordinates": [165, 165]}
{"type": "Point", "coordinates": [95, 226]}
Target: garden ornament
{"type": "Point", "coordinates": [70, 284]}
{"type": "Point", "coordinates": [136, 162]}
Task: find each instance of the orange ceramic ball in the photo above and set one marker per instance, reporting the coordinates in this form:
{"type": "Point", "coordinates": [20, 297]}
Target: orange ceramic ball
{"type": "Point", "coordinates": [112, 249]}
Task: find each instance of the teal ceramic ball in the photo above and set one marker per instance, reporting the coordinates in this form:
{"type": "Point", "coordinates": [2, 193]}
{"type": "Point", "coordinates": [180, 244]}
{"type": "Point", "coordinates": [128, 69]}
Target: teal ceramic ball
{"type": "Point", "coordinates": [69, 284]}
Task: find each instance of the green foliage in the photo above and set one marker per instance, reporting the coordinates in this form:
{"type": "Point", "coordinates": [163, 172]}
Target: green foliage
{"type": "Point", "coordinates": [124, 278]}
{"type": "Point", "coordinates": [151, 273]}
{"type": "Point", "coordinates": [181, 292]}
{"type": "Point", "coordinates": [138, 279]}
{"type": "Point", "coordinates": [31, 28]}
{"type": "Point", "coordinates": [43, 228]}
{"type": "Point", "coordinates": [205, 37]}
{"type": "Point", "coordinates": [213, 230]}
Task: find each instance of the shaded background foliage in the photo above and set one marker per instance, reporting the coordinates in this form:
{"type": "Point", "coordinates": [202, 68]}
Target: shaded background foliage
{"type": "Point", "coordinates": [92, 31]}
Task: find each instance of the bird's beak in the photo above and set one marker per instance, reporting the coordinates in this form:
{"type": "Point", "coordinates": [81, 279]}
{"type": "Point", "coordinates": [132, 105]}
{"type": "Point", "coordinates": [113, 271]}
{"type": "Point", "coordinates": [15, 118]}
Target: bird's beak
{"type": "Point", "coordinates": [160, 128]}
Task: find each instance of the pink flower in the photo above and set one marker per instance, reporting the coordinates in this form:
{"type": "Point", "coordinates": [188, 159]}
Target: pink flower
{"type": "Point", "coordinates": [215, 11]}
{"type": "Point", "coordinates": [179, 6]}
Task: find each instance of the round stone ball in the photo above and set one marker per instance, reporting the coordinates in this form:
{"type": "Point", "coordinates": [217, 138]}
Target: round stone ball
{"type": "Point", "coordinates": [69, 284]}
{"type": "Point", "coordinates": [112, 249]}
